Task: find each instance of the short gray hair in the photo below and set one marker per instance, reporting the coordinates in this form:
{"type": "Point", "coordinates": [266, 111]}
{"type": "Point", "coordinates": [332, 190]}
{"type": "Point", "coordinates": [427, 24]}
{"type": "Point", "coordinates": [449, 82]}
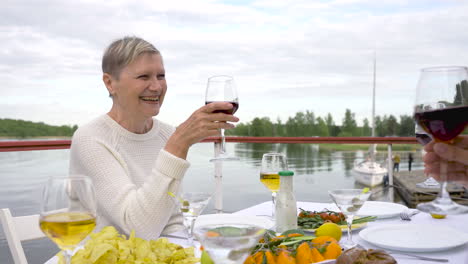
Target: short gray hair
{"type": "Point", "coordinates": [124, 51]}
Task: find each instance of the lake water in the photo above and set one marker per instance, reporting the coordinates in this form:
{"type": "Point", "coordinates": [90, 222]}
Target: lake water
{"type": "Point", "coordinates": [316, 172]}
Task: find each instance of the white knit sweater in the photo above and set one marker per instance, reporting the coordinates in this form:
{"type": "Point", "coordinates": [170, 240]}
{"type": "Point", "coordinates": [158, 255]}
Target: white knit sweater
{"type": "Point", "coordinates": [132, 174]}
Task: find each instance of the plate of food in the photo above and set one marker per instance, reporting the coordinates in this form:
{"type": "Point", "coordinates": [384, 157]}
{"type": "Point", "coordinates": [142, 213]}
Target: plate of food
{"type": "Point", "coordinates": [294, 246]}
{"type": "Point", "coordinates": [311, 220]}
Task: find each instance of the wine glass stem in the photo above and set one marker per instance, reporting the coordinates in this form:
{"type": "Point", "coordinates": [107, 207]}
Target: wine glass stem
{"type": "Point", "coordinates": [190, 223]}
{"type": "Point", "coordinates": [223, 142]}
{"type": "Point", "coordinates": [67, 254]}
{"type": "Point", "coordinates": [349, 222]}
{"type": "Point", "coordinates": [273, 201]}
{"type": "Point", "coordinates": [444, 196]}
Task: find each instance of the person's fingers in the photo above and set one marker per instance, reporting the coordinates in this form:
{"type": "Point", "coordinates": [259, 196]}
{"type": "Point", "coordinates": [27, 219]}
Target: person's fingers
{"type": "Point", "coordinates": [430, 157]}
{"type": "Point", "coordinates": [429, 146]}
{"type": "Point", "coordinates": [456, 176]}
{"type": "Point", "coordinates": [221, 117]}
{"type": "Point", "coordinates": [216, 106]}
{"type": "Point", "coordinates": [432, 168]}
{"type": "Point", "coordinates": [461, 141]}
{"type": "Point", "coordinates": [451, 153]}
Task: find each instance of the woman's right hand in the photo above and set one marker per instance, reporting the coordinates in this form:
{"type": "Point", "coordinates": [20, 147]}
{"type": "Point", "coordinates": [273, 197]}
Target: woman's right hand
{"type": "Point", "coordinates": [201, 124]}
{"type": "Point", "coordinates": [456, 153]}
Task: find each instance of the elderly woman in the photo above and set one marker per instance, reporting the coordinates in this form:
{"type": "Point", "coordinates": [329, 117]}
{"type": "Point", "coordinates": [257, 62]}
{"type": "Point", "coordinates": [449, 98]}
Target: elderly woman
{"type": "Point", "coordinates": [133, 158]}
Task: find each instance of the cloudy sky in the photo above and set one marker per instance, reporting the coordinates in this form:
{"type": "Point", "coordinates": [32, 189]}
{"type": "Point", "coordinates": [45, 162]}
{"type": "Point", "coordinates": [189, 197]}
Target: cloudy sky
{"type": "Point", "coordinates": [286, 55]}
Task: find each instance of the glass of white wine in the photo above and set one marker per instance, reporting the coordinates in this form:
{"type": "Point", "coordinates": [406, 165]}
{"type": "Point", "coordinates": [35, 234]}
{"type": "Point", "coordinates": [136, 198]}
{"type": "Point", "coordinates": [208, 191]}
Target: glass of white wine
{"type": "Point", "coordinates": [272, 163]}
{"type": "Point", "coordinates": [68, 211]}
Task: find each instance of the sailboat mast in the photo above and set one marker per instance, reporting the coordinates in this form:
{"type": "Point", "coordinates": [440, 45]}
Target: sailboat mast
{"type": "Point", "coordinates": [373, 96]}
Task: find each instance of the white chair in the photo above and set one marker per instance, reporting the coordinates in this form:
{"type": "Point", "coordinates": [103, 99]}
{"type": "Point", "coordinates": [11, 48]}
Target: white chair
{"type": "Point", "coordinates": [17, 229]}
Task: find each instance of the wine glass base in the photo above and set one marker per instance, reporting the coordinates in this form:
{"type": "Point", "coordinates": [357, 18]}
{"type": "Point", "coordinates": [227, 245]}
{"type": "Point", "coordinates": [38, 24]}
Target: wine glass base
{"type": "Point", "coordinates": [224, 158]}
{"type": "Point", "coordinates": [348, 244]}
{"type": "Point", "coordinates": [436, 207]}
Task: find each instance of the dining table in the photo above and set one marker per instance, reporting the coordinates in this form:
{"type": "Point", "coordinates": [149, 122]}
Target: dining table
{"type": "Point", "coordinates": [455, 255]}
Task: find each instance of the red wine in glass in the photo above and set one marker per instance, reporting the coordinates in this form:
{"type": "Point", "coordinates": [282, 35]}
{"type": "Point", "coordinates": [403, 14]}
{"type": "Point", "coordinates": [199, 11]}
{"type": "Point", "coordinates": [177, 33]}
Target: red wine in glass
{"type": "Point", "coordinates": [229, 111]}
{"type": "Point", "coordinates": [443, 124]}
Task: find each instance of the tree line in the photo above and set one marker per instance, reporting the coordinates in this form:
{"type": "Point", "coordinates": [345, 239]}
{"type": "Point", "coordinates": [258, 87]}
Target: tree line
{"type": "Point", "coordinates": [306, 124]}
{"type": "Point", "coordinates": [23, 129]}
{"type": "Point", "coordinates": [303, 124]}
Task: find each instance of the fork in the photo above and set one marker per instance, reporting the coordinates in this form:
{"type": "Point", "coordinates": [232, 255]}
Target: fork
{"type": "Point", "coordinates": [407, 214]}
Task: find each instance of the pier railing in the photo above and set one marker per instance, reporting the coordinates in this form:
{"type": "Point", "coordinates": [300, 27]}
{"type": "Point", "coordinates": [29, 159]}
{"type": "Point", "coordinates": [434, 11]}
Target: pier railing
{"type": "Point", "coordinates": [29, 145]}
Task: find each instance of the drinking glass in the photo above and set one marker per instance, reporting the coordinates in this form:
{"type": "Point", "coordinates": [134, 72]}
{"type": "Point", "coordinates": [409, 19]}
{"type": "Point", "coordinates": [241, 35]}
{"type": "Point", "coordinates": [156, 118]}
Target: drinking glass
{"type": "Point", "coordinates": [441, 109]}
{"type": "Point", "coordinates": [222, 88]}
{"type": "Point", "coordinates": [227, 238]}
{"type": "Point", "coordinates": [349, 201]}
{"type": "Point", "coordinates": [68, 211]}
{"type": "Point", "coordinates": [272, 163]}
{"type": "Point", "coordinates": [192, 205]}
{"type": "Point", "coordinates": [422, 136]}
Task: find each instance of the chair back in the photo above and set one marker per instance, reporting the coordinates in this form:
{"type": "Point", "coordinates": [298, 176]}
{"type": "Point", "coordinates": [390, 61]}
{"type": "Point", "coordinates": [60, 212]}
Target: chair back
{"type": "Point", "coordinates": [17, 229]}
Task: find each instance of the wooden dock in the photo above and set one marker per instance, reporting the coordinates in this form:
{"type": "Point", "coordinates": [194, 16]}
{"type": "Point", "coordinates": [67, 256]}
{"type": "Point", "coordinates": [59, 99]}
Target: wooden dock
{"type": "Point", "coordinates": [405, 182]}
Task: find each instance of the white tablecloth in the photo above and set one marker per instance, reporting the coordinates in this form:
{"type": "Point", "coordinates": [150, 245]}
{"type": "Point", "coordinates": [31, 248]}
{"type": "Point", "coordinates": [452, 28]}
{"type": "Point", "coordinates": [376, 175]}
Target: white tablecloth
{"type": "Point", "coordinates": [457, 255]}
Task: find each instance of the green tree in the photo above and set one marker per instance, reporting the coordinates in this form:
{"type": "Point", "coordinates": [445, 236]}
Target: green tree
{"type": "Point", "coordinates": [366, 129]}
{"type": "Point", "coordinates": [332, 128]}
{"type": "Point", "coordinates": [349, 126]}
{"type": "Point", "coordinates": [322, 128]}
{"type": "Point", "coordinates": [391, 125]}
{"type": "Point", "coordinates": [407, 126]}
{"type": "Point", "coordinates": [23, 129]}
{"type": "Point", "coordinates": [379, 127]}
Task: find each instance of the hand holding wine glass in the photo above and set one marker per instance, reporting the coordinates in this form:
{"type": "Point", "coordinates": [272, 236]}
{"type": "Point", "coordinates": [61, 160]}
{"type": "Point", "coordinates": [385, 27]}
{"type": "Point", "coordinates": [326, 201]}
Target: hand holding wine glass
{"type": "Point", "coordinates": [222, 88]}
{"type": "Point", "coordinates": [441, 109]}
{"type": "Point", "coordinates": [456, 153]}
{"type": "Point", "coordinates": [68, 211]}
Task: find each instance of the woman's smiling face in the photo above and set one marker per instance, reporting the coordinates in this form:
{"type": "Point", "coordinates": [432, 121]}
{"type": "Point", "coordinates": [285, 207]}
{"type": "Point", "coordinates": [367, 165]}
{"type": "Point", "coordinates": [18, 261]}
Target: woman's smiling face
{"type": "Point", "coordinates": [140, 89]}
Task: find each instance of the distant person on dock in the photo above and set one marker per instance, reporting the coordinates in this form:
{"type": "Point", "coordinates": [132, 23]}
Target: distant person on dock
{"type": "Point", "coordinates": [457, 153]}
{"type": "Point", "coordinates": [410, 160]}
{"type": "Point", "coordinates": [133, 158]}
{"type": "Point", "coordinates": [396, 162]}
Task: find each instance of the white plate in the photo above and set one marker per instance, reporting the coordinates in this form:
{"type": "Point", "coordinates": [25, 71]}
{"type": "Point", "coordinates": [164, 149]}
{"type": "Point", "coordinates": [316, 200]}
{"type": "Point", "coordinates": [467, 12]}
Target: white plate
{"type": "Point", "coordinates": [379, 209]}
{"type": "Point", "coordinates": [214, 219]}
{"type": "Point", "coordinates": [414, 238]}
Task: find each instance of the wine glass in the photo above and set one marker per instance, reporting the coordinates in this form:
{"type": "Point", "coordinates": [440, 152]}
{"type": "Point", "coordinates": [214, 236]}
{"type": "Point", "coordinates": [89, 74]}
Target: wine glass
{"type": "Point", "coordinates": [222, 88]}
{"type": "Point", "coordinates": [272, 163]}
{"type": "Point", "coordinates": [422, 136]}
{"type": "Point", "coordinates": [229, 238]}
{"type": "Point", "coordinates": [68, 211]}
{"type": "Point", "coordinates": [349, 201]}
{"type": "Point", "coordinates": [191, 206]}
{"type": "Point", "coordinates": [441, 109]}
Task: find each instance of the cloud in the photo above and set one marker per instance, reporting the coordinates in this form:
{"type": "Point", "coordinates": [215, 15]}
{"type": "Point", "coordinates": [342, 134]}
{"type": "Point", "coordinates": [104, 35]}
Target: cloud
{"type": "Point", "coordinates": [286, 56]}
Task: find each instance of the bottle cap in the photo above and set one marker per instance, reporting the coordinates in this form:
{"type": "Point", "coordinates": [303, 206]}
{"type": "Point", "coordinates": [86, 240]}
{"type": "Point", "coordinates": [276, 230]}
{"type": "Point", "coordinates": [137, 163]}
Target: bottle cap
{"type": "Point", "coordinates": [286, 173]}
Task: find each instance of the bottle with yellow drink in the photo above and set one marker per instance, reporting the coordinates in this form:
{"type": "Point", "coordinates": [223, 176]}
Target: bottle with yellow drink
{"type": "Point", "coordinates": [272, 163]}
